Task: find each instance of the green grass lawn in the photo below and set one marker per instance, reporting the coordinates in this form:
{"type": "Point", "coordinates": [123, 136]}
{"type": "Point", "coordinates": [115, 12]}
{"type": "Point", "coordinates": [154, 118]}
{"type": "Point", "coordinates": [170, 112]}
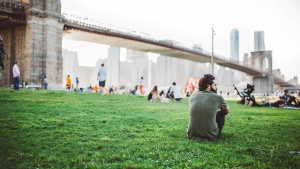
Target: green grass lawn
{"type": "Point", "coordinates": [56, 129]}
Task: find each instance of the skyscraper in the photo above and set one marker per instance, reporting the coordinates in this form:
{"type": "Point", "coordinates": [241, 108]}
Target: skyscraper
{"type": "Point", "coordinates": [234, 45]}
{"type": "Point", "coordinates": [259, 41]}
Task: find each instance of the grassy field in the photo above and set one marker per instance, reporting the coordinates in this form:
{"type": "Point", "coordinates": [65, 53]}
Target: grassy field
{"type": "Point", "coordinates": [56, 129]}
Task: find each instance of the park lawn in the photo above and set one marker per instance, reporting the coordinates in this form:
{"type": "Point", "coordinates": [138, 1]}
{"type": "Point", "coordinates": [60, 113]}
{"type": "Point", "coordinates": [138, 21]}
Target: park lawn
{"type": "Point", "coordinates": [57, 129]}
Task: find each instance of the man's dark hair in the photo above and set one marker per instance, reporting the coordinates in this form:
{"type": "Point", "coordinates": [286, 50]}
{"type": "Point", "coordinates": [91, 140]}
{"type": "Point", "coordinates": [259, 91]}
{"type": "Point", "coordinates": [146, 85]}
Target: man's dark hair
{"type": "Point", "coordinates": [174, 83]}
{"type": "Point", "coordinates": [102, 64]}
{"type": "Point", "coordinates": [207, 79]}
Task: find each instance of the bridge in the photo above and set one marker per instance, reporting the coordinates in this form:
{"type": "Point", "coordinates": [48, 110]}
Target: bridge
{"type": "Point", "coordinates": [35, 29]}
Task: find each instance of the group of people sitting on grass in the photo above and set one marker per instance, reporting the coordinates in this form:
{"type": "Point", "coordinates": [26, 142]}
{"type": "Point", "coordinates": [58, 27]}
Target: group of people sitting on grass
{"type": "Point", "coordinates": [285, 100]}
{"type": "Point", "coordinates": [174, 93]}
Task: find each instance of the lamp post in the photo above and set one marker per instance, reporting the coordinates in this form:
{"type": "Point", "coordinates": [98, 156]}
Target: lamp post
{"type": "Point", "coordinates": [212, 53]}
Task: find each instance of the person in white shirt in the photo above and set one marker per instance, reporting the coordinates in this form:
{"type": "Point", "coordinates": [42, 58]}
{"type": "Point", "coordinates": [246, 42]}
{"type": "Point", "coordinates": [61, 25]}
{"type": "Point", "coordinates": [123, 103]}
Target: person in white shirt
{"type": "Point", "coordinates": [175, 93]}
{"type": "Point", "coordinates": [102, 78]}
{"type": "Point", "coordinates": [16, 75]}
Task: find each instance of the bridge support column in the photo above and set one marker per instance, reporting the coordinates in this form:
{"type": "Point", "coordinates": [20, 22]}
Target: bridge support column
{"type": "Point", "coordinates": [43, 44]}
{"type": "Point", "coordinates": [263, 60]}
{"type": "Point", "coordinates": [263, 84]}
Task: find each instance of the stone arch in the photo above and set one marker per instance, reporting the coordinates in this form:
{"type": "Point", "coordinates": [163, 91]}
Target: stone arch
{"type": "Point", "coordinates": [257, 63]}
{"type": "Point", "coordinates": [265, 65]}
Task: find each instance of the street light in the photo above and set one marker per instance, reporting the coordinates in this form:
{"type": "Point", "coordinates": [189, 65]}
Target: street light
{"type": "Point", "coordinates": [212, 53]}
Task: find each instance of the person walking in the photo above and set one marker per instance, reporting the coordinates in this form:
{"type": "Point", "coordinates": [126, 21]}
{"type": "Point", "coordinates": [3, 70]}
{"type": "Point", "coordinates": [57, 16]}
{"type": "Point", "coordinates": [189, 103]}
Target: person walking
{"type": "Point", "coordinates": [102, 78]}
{"type": "Point", "coordinates": [16, 75]}
{"type": "Point", "coordinates": [207, 111]}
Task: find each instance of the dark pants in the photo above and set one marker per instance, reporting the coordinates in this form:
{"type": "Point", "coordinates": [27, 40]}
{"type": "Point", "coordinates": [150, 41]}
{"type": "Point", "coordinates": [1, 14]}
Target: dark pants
{"type": "Point", "coordinates": [291, 100]}
{"type": "Point", "coordinates": [220, 119]}
{"type": "Point", "coordinates": [16, 82]}
{"type": "Point", "coordinates": [102, 83]}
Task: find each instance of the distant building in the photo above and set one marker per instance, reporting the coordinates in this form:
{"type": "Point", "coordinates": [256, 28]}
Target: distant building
{"type": "Point", "coordinates": [234, 45]}
{"type": "Point", "coordinates": [277, 72]}
{"type": "Point", "coordinates": [259, 41]}
{"type": "Point", "coordinates": [294, 81]}
{"type": "Point", "coordinates": [113, 66]}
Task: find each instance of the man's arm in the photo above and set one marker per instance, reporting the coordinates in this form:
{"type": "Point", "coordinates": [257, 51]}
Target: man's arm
{"type": "Point", "coordinates": [224, 107]}
{"type": "Point", "coordinates": [18, 71]}
{"type": "Point", "coordinates": [226, 111]}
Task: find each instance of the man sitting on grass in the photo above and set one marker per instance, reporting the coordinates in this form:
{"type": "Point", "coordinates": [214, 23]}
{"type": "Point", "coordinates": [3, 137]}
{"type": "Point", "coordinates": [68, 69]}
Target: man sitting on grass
{"type": "Point", "coordinates": [287, 98]}
{"type": "Point", "coordinates": [207, 111]}
{"type": "Point", "coordinates": [175, 93]}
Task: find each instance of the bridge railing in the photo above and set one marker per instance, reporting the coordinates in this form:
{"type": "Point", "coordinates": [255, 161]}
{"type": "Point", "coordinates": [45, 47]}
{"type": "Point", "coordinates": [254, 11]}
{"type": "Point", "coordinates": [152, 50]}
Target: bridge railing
{"type": "Point", "coordinates": [112, 28]}
{"type": "Point", "coordinates": [103, 26]}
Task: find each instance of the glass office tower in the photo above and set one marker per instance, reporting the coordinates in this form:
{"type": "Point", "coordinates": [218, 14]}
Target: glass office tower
{"type": "Point", "coordinates": [234, 45]}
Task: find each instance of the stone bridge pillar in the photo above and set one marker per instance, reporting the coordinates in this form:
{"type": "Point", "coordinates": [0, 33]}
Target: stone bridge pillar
{"type": "Point", "coordinates": [43, 43]}
{"type": "Point", "coordinates": [262, 60]}
{"type": "Point", "coordinates": [36, 43]}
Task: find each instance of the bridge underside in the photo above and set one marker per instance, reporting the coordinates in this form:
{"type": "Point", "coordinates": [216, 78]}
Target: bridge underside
{"type": "Point", "coordinates": [131, 44]}
{"type": "Point", "coordinates": [7, 22]}
{"type": "Point", "coordinates": [146, 46]}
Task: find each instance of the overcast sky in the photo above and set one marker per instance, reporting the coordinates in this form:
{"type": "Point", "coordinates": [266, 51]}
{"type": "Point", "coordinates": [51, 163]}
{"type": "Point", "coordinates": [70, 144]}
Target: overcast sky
{"type": "Point", "coordinates": [190, 21]}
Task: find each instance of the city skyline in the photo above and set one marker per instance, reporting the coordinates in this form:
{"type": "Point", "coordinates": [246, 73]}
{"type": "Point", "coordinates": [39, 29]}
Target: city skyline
{"type": "Point", "coordinates": [190, 23]}
{"type": "Point", "coordinates": [162, 73]}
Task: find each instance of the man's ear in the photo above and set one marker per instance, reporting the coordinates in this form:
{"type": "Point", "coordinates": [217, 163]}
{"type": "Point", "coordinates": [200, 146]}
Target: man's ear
{"type": "Point", "coordinates": [208, 86]}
